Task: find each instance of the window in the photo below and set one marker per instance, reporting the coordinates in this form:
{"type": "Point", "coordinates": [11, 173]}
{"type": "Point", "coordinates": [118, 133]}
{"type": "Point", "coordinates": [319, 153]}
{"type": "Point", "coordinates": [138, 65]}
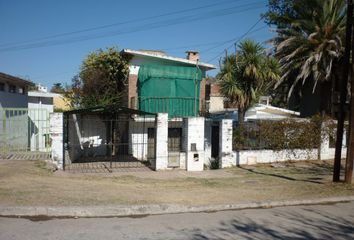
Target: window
{"type": "Point", "coordinates": [175, 139]}
{"type": "Point", "coordinates": [21, 90]}
{"type": "Point", "coordinates": [2, 86]}
{"type": "Point", "coordinates": [12, 89]}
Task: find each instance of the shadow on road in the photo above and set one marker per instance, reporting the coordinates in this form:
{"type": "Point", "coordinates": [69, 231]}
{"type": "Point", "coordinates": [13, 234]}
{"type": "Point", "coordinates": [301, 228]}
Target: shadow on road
{"type": "Point", "coordinates": [283, 225]}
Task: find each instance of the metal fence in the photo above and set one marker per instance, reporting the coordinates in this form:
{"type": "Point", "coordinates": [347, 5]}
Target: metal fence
{"type": "Point", "coordinates": [24, 132]}
{"type": "Point", "coordinates": [122, 140]}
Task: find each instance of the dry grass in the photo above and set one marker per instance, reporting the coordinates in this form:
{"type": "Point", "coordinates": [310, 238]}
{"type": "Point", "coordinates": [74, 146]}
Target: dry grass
{"type": "Point", "coordinates": [30, 183]}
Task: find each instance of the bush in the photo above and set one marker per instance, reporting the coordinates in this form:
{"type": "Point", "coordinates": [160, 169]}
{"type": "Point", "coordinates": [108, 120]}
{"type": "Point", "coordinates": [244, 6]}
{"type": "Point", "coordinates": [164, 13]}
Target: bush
{"type": "Point", "coordinates": [288, 134]}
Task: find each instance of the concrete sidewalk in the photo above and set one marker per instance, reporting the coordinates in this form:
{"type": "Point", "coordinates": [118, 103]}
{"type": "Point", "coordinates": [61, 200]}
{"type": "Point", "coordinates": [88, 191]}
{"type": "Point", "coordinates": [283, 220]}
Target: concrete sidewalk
{"type": "Point", "coordinates": [153, 209]}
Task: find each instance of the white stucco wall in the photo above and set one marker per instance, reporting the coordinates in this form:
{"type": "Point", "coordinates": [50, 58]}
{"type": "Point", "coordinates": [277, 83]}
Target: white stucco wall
{"type": "Point", "coordinates": [194, 137]}
{"type": "Point", "coordinates": [138, 137]}
{"type": "Point", "coordinates": [161, 156]}
{"type": "Point", "coordinates": [56, 135]}
{"type": "Point", "coordinates": [87, 137]}
{"type": "Point", "coordinates": [216, 104]}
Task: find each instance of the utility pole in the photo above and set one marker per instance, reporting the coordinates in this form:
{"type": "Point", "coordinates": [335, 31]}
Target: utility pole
{"type": "Point", "coordinates": [343, 93]}
{"type": "Point", "coordinates": [350, 146]}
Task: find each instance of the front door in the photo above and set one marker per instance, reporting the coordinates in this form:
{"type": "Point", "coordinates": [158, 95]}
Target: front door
{"type": "Point", "coordinates": [215, 142]}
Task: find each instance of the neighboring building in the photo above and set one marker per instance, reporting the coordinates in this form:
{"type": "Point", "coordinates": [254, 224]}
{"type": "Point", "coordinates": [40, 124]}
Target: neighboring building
{"type": "Point", "coordinates": [40, 105]}
{"type": "Point", "coordinates": [161, 83]}
{"type": "Point", "coordinates": [13, 91]}
{"type": "Point", "coordinates": [261, 111]}
{"type": "Point", "coordinates": [41, 100]}
{"type": "Point", "coordinates": [214, 99]}
{"type": "Point", "coordinates": [268, 112]}
{"type": "Point", "coordinates": [61, 103]}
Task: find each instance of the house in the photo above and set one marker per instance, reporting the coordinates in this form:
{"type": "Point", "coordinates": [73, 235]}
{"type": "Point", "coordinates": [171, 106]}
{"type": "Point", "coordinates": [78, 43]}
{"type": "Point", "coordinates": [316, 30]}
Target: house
{"type": "Point", "coordinates": [161, 83]}
{"type": "Point", "coordinates": [157, 84]}
{"type": "Point", "coordinates": [268, 112]}
{"type": "Point", "coordinates": [219, 108]}
{"type": "Point", "coordinates": [13, 91]}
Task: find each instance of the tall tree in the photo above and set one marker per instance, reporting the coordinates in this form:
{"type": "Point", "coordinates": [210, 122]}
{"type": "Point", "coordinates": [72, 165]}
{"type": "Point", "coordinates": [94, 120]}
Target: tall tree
{"type": "Point", "coordinates": [102, 79]}
{"type": "Point", "coordinates": [57, 88]}
{"type": "Point", "coordinates": [246, 76]}
{"type": "Point", "coordinates": [280, 12]}
{"type": "Point", "coordinates": [310, 47]}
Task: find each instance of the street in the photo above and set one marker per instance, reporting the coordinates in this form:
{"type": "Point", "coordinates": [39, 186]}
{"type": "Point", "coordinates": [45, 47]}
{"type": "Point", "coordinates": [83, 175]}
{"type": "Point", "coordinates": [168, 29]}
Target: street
{"type": "Point", "coordinates": [300, 222]}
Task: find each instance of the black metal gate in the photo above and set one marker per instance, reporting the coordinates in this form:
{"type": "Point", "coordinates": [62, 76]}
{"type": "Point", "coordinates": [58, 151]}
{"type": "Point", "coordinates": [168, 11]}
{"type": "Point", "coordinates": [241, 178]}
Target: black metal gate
{"type": "Point", "coordinates": [104, 139]}
{"type": "Point", "coordinates": [174, 143]}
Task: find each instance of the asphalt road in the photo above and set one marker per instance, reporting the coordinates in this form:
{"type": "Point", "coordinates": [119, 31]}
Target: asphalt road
{"type": "Point", "coordinates": [301, 222]}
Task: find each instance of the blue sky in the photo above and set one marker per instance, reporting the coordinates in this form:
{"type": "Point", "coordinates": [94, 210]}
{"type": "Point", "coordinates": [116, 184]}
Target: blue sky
{"type": "Point", "coordinates": [37, 40]}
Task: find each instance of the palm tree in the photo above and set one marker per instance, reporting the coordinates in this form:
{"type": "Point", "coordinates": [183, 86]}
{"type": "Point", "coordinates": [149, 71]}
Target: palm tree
{"type": "Point", "coordinates": [246, 76]}
{"type": "Point", "coordinates": [311, 48]}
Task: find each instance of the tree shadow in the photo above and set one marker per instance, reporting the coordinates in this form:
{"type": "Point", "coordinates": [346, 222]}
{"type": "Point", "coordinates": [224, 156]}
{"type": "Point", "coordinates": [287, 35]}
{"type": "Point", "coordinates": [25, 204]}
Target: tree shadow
{"type": "Point", "coordinates": [280, 176]}
{"type": "Point", "coordinates": [306, 224]}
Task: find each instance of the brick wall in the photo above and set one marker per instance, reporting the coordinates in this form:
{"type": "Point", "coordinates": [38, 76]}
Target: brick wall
{"type": "Point", "coordinates": [132, 90]}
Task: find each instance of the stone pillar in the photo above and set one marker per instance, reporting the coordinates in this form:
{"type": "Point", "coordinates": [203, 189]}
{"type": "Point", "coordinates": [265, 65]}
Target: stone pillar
{"type": "Point", "coordinates": [56, 135]}
{"type": "Point", "coordinates": [226, 155]}
{"type": "Point", "coordinates": [161, 141]}
{"type": "Point", "coordinates": [194, 143]}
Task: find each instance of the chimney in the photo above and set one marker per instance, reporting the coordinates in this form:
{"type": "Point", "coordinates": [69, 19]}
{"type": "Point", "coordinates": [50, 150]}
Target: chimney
{"type": "Point", "coordinates": [192, 55]}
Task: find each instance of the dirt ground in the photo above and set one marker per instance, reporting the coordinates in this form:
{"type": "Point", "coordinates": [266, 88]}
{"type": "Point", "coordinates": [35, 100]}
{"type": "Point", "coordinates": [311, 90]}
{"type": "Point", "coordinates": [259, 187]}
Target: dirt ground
{"type": "Point", "coordinates": [31, 183]}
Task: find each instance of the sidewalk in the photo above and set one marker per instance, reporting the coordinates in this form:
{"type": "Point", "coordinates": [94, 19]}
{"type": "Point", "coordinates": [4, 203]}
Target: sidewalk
{"type": "Point", "coordinates": [28, 188]}
{"type": "Point", "coordinates": [144, 210]}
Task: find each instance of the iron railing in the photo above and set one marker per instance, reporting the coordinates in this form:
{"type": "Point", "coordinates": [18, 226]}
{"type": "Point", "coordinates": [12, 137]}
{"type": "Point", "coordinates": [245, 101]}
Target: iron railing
{"type": "Point", "coordinates": [23, 130]}
{"type": "Point", "coordinates": [174, 106]}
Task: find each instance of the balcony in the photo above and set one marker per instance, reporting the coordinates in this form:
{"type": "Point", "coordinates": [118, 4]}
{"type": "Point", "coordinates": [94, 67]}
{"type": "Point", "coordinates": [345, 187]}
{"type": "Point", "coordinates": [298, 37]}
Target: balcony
{"type": "Point", "coordinates": [174, 106]}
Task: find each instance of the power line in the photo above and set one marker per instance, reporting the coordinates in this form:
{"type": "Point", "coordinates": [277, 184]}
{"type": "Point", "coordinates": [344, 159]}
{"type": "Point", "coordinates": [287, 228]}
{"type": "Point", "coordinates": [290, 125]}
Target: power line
{"type": "Point", "coordinates": [219, 43]}
{"type": "Point", "coordinates": [117, 24]}
{"type": "Point", "coordinates": [233, 40]}
{"type": "Point", "coordinates": [238, 39]}
{"type": "Point", "coordinates": [154, 25]}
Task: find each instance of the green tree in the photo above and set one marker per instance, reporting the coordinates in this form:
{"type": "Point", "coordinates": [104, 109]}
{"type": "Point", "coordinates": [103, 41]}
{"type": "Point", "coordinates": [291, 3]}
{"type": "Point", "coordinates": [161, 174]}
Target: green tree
{"type": "Point", "coordinates": [280, 12]}
{"type": "Point", "coordinates": [310, 47]}
{"type": "Point", "coordinates": [102, 79]}
{"type": "Point", "coordinates": [246, 76]}
{"type": "Point", "coordinates": [73, 92]}
{"type": "Point", "coordinates": [57, 88]}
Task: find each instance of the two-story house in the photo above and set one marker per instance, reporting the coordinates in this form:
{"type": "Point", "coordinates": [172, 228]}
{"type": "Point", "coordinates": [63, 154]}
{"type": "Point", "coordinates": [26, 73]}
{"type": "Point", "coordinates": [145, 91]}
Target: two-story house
{"type": "Point", "coordinates": [161, 83]}
{"type": "Point", "coordinates": [13, 91]}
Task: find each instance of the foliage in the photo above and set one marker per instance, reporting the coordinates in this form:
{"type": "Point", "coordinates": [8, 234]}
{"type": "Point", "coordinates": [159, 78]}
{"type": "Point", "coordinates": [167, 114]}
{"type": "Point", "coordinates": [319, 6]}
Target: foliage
{"type": "Point", "coordinates": [310, 47]}
{"type": "Point", "coordinates": [74, 92]}
{"type": "Point", "coordinates": [102, 79]}
{"type": "Point", "coordinates": [280, 12]}
{"type": "Point", "coordinates": [288, 134]}
{"type": "Point", "coordinates": [246, 76]}
{"type": "Point", "coordinates": [57, 88]}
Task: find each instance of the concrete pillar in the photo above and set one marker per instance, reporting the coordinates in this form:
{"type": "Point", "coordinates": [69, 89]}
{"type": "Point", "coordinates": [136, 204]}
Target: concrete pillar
{"type": "Point", "coordinates": [161, 141]}
{"type": "Point", "coordinates": [226, 155]}
{"type": "Point", "coordinates": [324, 145]}
{"type": "Point", "coordinates": [194, 143]}
{"type": "Point", "coordinates": [56, 135]}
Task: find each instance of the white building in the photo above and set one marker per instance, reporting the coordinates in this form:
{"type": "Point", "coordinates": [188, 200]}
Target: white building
{"type": "Point", "coordinates": [13, 91]}
{"type": "Point", "coordinates": [40, 105]}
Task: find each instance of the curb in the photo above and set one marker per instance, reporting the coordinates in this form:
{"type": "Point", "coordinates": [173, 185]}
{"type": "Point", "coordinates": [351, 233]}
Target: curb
{"type": "Point", "coordinates": [154, 209]}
